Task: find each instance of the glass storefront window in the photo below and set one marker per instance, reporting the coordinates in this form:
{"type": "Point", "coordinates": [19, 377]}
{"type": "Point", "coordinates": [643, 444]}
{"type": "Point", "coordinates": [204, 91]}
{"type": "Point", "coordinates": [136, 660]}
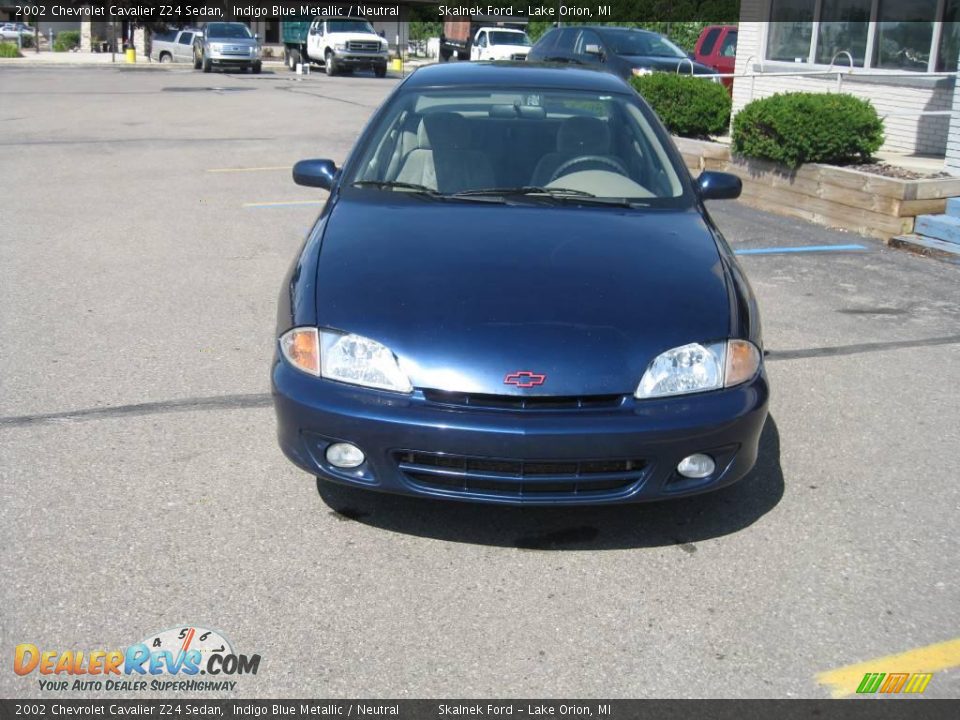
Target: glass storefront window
{"type": "Point", "coordinates": [904, 34]}
{"type": "Point", "coordinates": [846, 29]}
{"type": "Point", "coordinates": [791, 29]}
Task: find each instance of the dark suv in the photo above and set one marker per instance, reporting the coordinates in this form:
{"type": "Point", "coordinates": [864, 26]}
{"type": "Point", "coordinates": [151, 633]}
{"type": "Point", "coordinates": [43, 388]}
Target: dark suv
{"type": "Point", "coordinates": [622, 51]}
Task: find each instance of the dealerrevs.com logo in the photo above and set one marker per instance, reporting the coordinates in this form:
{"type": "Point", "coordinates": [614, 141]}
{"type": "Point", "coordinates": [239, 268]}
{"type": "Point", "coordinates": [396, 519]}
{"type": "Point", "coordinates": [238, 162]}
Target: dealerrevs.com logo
{"type": "Point", "coordinates": [172, 660]}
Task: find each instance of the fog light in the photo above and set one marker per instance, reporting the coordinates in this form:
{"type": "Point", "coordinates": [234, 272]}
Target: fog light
{"type": "Point", "coordinates": [345, 455]}
{"type": "Point", "coordinates": [696, 466]}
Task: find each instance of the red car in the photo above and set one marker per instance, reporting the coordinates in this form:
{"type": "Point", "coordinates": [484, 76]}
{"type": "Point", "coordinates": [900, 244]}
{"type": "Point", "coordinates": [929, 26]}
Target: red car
{"type": "Point", "coordinates": [717, 48]}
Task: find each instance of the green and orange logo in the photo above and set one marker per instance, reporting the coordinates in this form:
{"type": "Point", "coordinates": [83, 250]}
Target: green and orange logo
{"type": "Point", "coordinates": [894, 683]}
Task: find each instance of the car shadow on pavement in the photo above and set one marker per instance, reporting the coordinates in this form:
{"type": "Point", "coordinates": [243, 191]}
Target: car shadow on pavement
{"type": "Point", "coordinates": [680, 522]}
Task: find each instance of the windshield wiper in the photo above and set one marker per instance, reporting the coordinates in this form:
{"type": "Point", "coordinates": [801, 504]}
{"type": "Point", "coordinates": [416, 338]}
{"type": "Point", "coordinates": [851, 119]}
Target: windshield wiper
{"type": "Point", "coordinates": [397, 185]}
{"type": "Point", "coordinates": [563, 195]}
{"type": "Point", "coordinates": [525, 190]}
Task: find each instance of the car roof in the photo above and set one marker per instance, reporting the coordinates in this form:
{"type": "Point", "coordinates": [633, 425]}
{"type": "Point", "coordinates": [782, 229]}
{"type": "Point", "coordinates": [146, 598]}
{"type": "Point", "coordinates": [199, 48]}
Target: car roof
{"type": "Point", "coordinates": [517, 74]}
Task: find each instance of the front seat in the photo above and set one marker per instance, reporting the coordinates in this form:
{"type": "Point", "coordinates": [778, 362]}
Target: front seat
{"type": "Point", "coordinates": [577, 137]}
{"type": "Point", "coordinates": [443, 159]}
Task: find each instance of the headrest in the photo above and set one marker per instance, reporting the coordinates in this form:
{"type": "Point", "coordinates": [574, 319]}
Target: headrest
{"type": "Point", "coordinates": [583, 136]}
{"type": "Point", "coordinates": [443, 130]}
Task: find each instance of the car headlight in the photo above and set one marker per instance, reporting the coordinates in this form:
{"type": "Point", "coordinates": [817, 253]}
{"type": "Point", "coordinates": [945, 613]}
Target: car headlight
{"type": "Point", "coordinates": [340, 47]}
{"type": "Point", "coordinates": [358, 360]}
{"type": "Point", "coordinates": [641, 71]}
{"type": "Point", "coordinates": [696, 368]}
{"type": "Point", "coordinates": [344, 357]}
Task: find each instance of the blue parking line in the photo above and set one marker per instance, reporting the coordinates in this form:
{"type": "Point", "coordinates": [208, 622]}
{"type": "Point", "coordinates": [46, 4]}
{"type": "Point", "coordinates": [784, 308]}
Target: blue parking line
{"type": "Point", "coordinates": [802, 249]}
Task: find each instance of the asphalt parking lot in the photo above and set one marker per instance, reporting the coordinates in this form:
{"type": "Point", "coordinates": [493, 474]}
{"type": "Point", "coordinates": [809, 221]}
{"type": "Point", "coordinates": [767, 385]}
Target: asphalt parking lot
{"type": "Point", "coordinates": [148, 220]}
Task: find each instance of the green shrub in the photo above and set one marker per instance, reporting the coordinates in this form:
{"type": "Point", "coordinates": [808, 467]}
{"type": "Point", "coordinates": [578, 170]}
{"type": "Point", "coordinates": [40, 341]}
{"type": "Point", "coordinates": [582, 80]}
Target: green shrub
{"type": "Point", "coordinates": [9, 50]}
{"type": "Point", "coordinates": [66, 40]}
{"type": "Point", "coordinates": [797, 128]}
{"type": "Point", "coordinates": [687, 105]}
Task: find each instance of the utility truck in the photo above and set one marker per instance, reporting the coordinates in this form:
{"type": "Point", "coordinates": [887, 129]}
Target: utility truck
{"type": "Point", "coordinates": [338, 45]}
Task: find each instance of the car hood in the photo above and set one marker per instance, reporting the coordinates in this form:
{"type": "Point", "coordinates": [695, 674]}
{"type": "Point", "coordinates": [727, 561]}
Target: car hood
{"type": "Point", "coordinates": [353, 37]}
{"type": "Point", "coordinates": [465, 294]}
{"type": "Point", "coordinates": [507, 50]}
{"type": "Point", "coordinates": [666, 64]}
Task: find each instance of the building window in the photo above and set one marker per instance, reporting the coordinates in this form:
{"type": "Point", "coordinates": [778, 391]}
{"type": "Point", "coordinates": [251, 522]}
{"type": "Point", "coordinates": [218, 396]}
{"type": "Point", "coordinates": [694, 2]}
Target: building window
{"type": "Point", "coordinates": [791, 28]}
{"type": "Point", "coordinates": [903, 38]}
{"type": "Point", "coordinates": [949, 38]}
{"type": "Point", "coordinates": [907, 35]}
{"type": "Point", "coordinates": [845, 31]}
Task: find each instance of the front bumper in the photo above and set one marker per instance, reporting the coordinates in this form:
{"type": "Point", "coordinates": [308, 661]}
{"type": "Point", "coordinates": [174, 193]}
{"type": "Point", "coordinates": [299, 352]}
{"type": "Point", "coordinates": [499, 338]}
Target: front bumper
{"type": "Point", "coordinates": [236, 60]}
{"type": "Point", "coordinates": [360, 60]}
{"type": "Point", "coordinates": [626, 453]}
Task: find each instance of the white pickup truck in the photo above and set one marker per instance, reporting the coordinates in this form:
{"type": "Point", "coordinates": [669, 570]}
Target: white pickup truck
{"type": "Point", "coordinates": [497, 43]}
{"type": "Point", "coordinates": [342, 45]}
{"type": "Point", "coordinates": [174, 46]}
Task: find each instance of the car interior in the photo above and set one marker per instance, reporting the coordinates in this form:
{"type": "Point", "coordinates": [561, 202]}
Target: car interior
{"type": "Point", "coordinates": [454, 148]}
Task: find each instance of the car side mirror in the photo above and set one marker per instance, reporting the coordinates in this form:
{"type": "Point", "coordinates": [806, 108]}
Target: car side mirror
{"type": "Point", "coordinates": [313, 31]}
{"type": "Point", "coordinates": [315, 173]}
{"type": "Point", "coordinates": [719, 186]}
{"type": "Point", "coordinates": [197, 35]}
{"type": "Point", "coordinates": [256, 36]}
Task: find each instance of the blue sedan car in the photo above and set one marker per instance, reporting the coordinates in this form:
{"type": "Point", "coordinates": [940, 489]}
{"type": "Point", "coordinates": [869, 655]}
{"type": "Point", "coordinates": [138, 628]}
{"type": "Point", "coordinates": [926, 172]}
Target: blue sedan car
{"type": "Point", "coordinates": [515, 294]}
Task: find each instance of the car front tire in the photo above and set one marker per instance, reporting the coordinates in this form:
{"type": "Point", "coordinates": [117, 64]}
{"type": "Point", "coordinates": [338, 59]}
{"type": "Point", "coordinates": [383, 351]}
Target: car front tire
{"type": "Point", "coordinates": [257, 67]}
{"type": "Point", "coordinates": [207, 65]}
{"type": "Point", "coordinates": [380, 71]}
{"type": "Point", "coordinates": [293, 57]}
{"type": "Point", "coordinates": [196, 61]}
{"type": "Point", "coordinates": [330, 64]}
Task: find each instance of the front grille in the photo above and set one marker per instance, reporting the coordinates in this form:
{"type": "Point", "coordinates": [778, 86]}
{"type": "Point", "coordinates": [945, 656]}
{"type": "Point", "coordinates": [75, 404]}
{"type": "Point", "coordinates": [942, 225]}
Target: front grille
{"type": "Point", "coordinates": [363, 45]}
{"type": "Point", "coordinates": [519, 478]}
{"type": "Point", "coordinates": [518, 56]}
{"type": "Point", "coordinates": [523, 402]}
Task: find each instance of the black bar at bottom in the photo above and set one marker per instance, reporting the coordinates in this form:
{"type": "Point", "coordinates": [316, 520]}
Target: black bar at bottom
{"type": "Point", "coordinates": [874, 708]}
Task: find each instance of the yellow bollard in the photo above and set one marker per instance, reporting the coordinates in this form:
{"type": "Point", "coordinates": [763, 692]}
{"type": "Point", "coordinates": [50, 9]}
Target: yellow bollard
{"type": "Point", "coordinates": [131, 56]}
{"type": "Point", "coordinates": [396, 65]}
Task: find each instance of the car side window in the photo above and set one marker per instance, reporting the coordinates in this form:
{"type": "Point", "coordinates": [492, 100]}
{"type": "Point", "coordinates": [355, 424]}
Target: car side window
{"type": "Point", "coordinates": [186, 39]}
{"type": "Point", "coordinates": [729, 48]}
{"type": "Point", "coordinates": [483, 40]}
{"type": "Point", "coordinates": [709, 41]}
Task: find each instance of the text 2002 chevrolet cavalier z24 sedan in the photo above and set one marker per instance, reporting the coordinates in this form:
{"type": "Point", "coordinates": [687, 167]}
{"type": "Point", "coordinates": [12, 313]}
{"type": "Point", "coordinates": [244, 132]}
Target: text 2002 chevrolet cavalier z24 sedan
{"type": "Point", "coordinates": [515, 295]}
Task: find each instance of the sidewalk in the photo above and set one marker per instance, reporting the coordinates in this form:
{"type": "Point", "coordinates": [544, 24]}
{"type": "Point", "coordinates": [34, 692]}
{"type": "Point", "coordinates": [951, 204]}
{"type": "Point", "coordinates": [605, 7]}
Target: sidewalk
{"type": "Point", "coordinates": [46, 57]}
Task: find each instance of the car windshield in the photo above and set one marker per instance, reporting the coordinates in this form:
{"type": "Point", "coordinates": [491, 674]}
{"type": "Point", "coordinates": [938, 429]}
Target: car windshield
{"type": "Point", "coordinates": [233, 31]}
{"type": "Point", "coordinates": [343, 26]}
{"type": "Point", "coordinates": [500, 37]}
{"type": "Point", "coordinates": [638, 42]}
{"type": "Point", "coordinates": [545, 145]}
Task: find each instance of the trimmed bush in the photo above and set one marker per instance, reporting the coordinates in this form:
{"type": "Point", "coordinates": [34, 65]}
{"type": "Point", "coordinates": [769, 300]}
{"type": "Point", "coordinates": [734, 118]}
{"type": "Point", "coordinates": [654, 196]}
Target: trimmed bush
{"type": "Point", "coordinates": [797, 128]}
{"type": "Point", "coordinates": [9, 50]}
{"type": "Point", "coordinates": [688, 106]}
{"type": "Point", "coordinates": [66, 40]}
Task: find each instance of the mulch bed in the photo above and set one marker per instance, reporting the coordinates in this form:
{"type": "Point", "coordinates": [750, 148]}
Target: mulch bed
{"type": "Point", "coordinates": [892, 171]}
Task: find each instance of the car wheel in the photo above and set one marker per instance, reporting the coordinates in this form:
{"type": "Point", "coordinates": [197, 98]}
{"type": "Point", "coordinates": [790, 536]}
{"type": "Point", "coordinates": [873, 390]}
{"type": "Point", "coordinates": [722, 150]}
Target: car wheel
{"type": "Point", "coordinates": [165, 57]}
{"type": "Point", "coordinates": [380, 71]}
{"type": "Point", "coordinates": [293, 57]}
{"type": "Point", "coordinates": [196, 61]}
{"type": "Point", "coordinates": [257, 67]}
{"type": "Point", "coordinates": [445, 55]}
{"type": "Point", "coordinates": [330, 65]}
{"type": "Point", "coordinates": [207, 66]}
